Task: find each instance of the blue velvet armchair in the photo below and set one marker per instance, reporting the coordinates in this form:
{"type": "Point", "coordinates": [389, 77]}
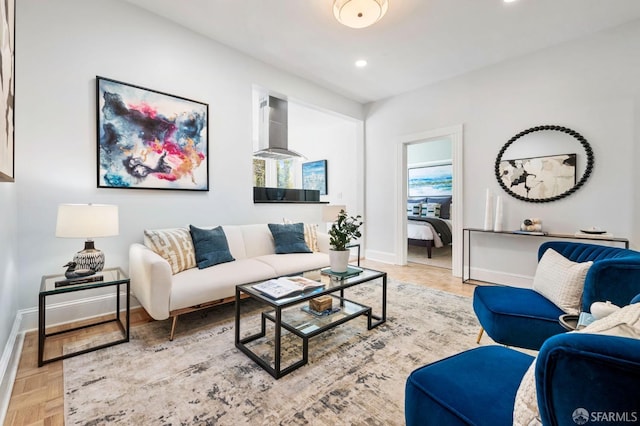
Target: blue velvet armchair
{"type": "Point", "coordinates": [524, 318]}
{"type": "Point", "coordinates": [596, 373]}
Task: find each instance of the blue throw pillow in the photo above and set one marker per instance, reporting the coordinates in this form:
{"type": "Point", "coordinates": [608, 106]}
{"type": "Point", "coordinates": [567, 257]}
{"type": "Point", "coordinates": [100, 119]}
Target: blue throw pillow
{"type": "Point", "coordinates": [211, 246]}
{"type": "Point", "coordinates": [289, 238]}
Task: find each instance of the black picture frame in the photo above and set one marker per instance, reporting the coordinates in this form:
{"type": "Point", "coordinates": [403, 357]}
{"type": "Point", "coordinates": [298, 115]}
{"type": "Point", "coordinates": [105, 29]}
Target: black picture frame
{"type": "Point", "coordinates": [314, 176]}
{"type": "Point", "coordinates": [147, 139]}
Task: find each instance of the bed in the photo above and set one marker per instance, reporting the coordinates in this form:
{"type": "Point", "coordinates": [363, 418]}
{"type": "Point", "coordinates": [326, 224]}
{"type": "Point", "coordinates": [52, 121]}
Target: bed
{"type": "Point", "coordinates": [428, 222]}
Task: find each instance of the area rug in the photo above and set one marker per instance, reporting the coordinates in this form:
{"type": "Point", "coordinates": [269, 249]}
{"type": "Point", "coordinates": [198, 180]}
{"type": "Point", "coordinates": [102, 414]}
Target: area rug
{"type": "Point", "coordinates": [354, 376]}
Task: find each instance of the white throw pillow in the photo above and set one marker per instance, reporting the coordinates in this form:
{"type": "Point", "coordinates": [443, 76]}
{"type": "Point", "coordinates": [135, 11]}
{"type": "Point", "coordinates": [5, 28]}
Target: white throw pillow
{"type": "Point", "coordinates": [174, 245]}
{"type": "Point", "coordinates": [561, 281]}
{"type": "Point", "coordinates": [624, 322]}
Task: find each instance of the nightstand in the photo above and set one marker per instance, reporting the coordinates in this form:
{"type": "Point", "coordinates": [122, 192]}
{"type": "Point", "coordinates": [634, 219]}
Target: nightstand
{"type": "Point", "coordinates": [51, 286]}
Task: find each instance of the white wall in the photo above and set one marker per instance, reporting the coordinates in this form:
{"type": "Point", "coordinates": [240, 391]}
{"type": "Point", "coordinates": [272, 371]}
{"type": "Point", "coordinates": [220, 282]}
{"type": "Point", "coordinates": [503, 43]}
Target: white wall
{"type": "Point", "coordinates": [61, 47]}
{"type": "Point", "coordinates": [590, 85]}
{"type": "Point", "coordinates": [8, 264]}
{"type": "Point", "coordinates": [428, 151]}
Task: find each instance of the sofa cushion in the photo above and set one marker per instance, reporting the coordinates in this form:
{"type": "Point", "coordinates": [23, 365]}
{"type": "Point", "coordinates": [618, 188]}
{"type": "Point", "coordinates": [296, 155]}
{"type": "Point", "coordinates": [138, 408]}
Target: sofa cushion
{"type": "Point", "coordinates": [174, 245]}
{"type": "Point", "coordinates": [196, 286]}
{"type": "Point", "coordinates": [211, 246]}
{"type": "Point", "coordinates": [515, 316]}
{"type": "Point", "coordinates": [289, 238]}
{"type": "Point", "coordinates": [311, 236]}
{"type": "Point", "coordinates": [466, 386]}
{"type": "Point", "coordinates": [560, 280]}
{"type": "Point", "coordinates": [295, 262]}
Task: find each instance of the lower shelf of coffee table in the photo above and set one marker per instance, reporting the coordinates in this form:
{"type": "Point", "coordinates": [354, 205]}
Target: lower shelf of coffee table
{"type": "Point", "coordinates": [306, 324]}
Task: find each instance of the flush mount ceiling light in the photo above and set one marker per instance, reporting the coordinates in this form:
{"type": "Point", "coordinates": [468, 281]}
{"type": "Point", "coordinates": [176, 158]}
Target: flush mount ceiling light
{"type": "Point", "coordinates": [359, 13]}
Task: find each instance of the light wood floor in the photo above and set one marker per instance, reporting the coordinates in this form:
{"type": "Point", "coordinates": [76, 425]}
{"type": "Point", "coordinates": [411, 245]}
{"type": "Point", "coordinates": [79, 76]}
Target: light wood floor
{"type": "Point", "coordinates": [38, 399]}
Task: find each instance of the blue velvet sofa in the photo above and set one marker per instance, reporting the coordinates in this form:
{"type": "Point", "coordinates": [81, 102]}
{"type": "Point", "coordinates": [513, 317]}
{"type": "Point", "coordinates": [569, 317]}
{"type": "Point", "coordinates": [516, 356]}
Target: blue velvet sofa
{"type": "Point", "coordinates": [597, 373]}
{"type": "Point", "coordinates": [523, 318]}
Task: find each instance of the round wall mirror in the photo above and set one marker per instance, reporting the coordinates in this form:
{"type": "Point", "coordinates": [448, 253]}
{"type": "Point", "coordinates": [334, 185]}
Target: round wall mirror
{"type": "Point", "coordinates": [544, 163]}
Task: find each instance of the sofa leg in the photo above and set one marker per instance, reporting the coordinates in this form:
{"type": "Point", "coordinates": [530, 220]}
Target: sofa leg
{"type": "Point", "coordinates": [173, 327]}
{"type": "Point", "coordinates": [480, 335]}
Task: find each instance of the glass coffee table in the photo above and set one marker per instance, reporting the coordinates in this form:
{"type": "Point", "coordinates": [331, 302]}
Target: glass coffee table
{"type": "Point", "coordinates": [290, 314]}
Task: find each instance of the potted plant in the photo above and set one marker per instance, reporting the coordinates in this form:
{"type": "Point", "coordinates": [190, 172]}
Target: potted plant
{"type": "Point", "coordinates": [343, 230]}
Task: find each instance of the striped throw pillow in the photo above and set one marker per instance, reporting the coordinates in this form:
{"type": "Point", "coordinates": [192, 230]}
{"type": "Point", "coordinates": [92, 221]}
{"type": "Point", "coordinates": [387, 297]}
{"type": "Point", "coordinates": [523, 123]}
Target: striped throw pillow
{"type": "Point", "coordinates": [174, 245]}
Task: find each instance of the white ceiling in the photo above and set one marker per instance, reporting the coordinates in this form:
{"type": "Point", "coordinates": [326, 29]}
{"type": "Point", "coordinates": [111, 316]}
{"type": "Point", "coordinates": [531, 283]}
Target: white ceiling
{"type": "Point", "coordinates": [417, 43]}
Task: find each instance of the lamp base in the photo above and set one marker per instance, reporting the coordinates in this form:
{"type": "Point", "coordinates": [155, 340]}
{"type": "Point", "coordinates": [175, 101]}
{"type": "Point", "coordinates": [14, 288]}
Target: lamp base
{"type": "Point", "coordinates": [89, 258]}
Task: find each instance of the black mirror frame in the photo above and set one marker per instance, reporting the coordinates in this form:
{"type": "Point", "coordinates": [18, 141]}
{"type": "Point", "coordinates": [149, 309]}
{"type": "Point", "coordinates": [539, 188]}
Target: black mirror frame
{"type": "Point", "coordinates": [583, 179]}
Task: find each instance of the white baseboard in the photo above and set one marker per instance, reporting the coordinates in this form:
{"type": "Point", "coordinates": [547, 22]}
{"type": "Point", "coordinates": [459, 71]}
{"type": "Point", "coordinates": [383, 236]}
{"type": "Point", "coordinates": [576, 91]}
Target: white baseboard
{"type": "Point", "coordinates": [497, 277]}
{"type": "Point", "coordinates": [75, 310]}
{"type": "Point", "coordinates": [9, 365]}
{"type": "Point", "coordinates": [380, 256]}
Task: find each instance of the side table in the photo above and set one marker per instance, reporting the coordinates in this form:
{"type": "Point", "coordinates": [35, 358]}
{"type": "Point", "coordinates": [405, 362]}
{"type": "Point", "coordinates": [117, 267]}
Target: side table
{"type": "Point", "coordinates": [111, 277]}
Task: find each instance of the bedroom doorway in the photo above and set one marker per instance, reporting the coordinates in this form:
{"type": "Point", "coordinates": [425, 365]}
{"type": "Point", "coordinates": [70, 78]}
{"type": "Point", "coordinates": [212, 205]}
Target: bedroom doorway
{"type": "Point", "coordinates": [429, 170]}
{"type": "Point", "coordinates": [426, 162]}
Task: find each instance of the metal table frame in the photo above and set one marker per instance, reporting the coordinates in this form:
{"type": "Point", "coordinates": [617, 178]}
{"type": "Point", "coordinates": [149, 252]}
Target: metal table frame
{"type": "Point", "coordinates": [275, 315]}
{"type": "Point", "coordinates": [466, 248]}
{"type": "Point", "coordinates": [42, 324]}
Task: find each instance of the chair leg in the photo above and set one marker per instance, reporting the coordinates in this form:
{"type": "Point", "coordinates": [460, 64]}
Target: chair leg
{"type": "Point", "coordinates": [480, 335]}
{"type": "Point", "coordinates": [173, 327]}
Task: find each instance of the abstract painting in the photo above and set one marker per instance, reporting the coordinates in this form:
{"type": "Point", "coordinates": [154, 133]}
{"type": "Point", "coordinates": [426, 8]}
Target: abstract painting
{"type": "Point", "coordinates": [7, 89]}
{"type": "Point", "coordinates": [539, 177]}
{"type": "Point", "coordinates": [314, 176]}
{"type": "Point", "coordinates": [149, 139]}
{"type": "Point", "coordinates": [430, 180]}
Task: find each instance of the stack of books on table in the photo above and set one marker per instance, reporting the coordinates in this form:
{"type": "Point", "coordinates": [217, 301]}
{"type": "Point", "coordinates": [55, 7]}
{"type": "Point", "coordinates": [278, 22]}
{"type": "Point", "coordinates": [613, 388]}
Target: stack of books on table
{"type": "Point", "coordinates": [352, 271]}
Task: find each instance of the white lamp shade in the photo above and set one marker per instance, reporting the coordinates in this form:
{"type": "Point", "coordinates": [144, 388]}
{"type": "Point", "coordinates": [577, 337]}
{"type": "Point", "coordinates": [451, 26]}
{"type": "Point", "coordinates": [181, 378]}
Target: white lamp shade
{"type": "Point", "coordinates": [330, 212]}
{"type": "Point", "coordinates": [87, 220]}
{"type": "Point", "coordinates": [359, 13]}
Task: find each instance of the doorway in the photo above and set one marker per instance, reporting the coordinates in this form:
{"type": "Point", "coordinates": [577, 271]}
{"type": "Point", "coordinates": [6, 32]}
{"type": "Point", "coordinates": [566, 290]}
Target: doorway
{"type": "Point", "coordinates": [453, 135]}
{"type": "Point", "coordinates": [429, 238]}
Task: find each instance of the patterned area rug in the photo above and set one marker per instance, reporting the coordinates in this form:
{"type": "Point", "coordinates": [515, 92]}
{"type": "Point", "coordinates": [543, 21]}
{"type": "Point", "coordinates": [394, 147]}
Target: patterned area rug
{"type": "Point", "coordinates": [355, 376]}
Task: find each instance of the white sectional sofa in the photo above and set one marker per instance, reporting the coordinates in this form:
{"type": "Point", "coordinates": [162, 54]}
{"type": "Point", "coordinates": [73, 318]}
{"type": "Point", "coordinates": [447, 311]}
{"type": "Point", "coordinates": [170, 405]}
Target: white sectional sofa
{"type": "Point", "coordinates": [165, 294]}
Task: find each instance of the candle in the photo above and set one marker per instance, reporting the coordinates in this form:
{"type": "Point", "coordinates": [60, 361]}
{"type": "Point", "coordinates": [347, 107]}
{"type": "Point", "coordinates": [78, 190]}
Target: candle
{"type": "Point", "coordinates": [497, 226]}
{"type": "Point", "coordinates": [488, 212]}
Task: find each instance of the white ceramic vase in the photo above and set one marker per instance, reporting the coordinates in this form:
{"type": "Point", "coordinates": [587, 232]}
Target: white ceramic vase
{"type": "Point", "coordinates": [338, 260]}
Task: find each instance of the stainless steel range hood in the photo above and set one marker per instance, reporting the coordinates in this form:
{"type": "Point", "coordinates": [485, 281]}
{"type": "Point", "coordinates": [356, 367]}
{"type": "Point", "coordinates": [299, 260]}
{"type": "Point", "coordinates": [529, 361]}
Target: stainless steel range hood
{"type": "Point", "coordinates": [273, 138]}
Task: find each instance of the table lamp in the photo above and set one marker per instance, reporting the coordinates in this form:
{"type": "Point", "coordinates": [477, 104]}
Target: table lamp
{"type": "Point", "coordinates": [330, 213]}
{"type": "Point", "coordinates": [87, 221]}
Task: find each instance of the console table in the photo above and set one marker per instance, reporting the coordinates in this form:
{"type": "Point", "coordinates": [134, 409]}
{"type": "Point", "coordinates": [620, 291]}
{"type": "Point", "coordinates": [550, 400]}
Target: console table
{"type": "Point", "coordinates": [466, 248]}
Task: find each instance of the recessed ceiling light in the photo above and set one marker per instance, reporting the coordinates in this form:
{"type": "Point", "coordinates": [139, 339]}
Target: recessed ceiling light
{"type": "Point", "coordinates": [361, 63]}
{"type": "Point", "coordinates": [509, 1]}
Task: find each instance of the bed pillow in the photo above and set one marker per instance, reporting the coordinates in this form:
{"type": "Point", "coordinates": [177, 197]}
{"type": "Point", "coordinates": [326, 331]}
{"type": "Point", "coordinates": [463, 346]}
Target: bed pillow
{"type": "Point", "coordinates": [174, 245]}
{"type": "Point", "coordinates": [445, 205]}
{"type": "Point", "coordinates": [211, 246]}
{"type": "Point", "coordinates": [560, 280]}
{"type": "Point", "coordinates": [289, 238]}
{"type": "Point", "coordinates": [414, 203]}
{"type": "Point", "coordinates": [431, 210]}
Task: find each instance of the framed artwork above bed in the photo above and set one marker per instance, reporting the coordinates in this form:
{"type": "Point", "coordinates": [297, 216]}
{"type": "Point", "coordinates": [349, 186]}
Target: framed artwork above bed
{"type": "Point", "coordinates": [430, 180]}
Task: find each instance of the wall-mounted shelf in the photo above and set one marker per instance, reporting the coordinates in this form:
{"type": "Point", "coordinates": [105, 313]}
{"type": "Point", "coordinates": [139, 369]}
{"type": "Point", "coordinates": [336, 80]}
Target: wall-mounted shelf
{"type": "Point", "coordinates": [466, 243]}
{"type": "Point", "coordinates": [286, 195]}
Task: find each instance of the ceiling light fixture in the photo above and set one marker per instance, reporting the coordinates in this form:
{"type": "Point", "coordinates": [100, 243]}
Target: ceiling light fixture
{"type": "Point", "coordinates": [361, 63]}
{"type": "Point", "coordinates": [359, 13]}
